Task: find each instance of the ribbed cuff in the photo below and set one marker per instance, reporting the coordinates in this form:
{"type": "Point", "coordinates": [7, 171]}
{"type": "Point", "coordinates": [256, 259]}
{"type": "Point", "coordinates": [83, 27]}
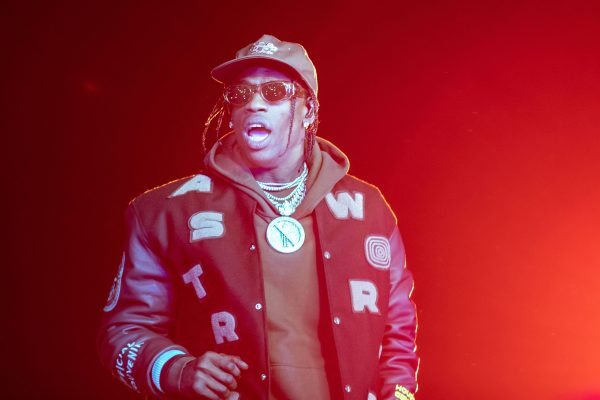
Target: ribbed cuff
{"type": "Point", "coordinates": [160, 363]}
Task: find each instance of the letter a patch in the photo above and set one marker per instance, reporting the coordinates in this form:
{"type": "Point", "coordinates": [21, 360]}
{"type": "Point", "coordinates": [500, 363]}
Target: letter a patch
{"type": "Point", "coordinates": [199, 183]}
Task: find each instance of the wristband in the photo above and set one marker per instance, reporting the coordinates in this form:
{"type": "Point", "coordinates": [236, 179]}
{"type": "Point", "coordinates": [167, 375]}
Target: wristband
{"type": "Point", "coordinates": [159, 365]}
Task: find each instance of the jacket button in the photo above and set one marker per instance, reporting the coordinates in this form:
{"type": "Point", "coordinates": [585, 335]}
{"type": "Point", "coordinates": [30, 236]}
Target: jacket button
{"type": "Point", "coordinates": [252, 247]}
{"type": "Point", "coordinates": [258, 306]}
{"type": "Point", "coordinates": [263, 377]}
{"type": "Point", "coordinates": [337, 320]}
{"type": "Point", "coordinates": [327, 255]}
{"type": "Point", "coordinates": [347, 388]}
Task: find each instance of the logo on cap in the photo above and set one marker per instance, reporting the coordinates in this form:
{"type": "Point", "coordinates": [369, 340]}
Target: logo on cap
{"type": "Point", "coordinates": [263, 48]}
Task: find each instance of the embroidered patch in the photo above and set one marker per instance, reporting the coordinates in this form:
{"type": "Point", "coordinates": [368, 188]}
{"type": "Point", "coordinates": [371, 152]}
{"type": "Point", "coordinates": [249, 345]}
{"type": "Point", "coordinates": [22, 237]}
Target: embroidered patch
{"type": "Point", "coordinates": [377, 251]}
{"type": "Point", "coordinates": [115, 290]}
{"type": "Point", "coordinates": [342, 205]}
{"type": "Point", "coordinates": [193, 277]}
{"type": "Point", "coordinates": [364, 296]}
{"type": "Point", "coordinates": [223, 325]}
{"type": "Point", "coordinates": [199, 183]}
{"type": "Point", "coordinates": [263, 48]}
{"type": "Point", "coordinates": [126, 361]}
{"type": "Point", "coordinates": [403, 393]}
{"type": "Point", "coordinates": [205, 225]}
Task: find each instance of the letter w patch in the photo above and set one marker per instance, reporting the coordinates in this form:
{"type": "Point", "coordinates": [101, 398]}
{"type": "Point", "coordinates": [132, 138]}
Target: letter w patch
{"type": "Point", "coordinates": [344, 206]}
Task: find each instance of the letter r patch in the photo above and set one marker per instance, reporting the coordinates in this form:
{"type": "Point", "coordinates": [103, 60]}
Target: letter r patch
{"type": "Point", "coordinates": [364, 296]}
{"type": "Point", "coordinates": [223, 325]}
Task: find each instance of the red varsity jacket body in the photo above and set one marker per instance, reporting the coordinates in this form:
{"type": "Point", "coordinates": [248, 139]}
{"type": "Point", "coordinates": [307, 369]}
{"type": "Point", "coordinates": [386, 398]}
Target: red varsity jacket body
{"type": "Point", "coordinates": [190, 280]}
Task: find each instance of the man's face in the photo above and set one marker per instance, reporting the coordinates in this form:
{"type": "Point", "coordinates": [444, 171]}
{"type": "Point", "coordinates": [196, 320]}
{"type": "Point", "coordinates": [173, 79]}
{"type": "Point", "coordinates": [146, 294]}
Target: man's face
{"type": "Point", "coordinates": [262, 128]}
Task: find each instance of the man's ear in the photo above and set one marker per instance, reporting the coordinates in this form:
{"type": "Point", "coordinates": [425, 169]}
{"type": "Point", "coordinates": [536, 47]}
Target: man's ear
{"type": "Point", "coordinates": [310, 110]}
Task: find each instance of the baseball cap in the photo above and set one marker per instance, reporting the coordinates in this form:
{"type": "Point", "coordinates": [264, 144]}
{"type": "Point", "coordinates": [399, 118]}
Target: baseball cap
{"type": "Point", "coordinates": [270, 50]}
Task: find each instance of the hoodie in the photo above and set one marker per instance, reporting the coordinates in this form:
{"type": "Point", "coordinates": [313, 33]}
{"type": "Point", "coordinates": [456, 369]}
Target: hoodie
{"type": "Point", "coordinates": [301, 355]}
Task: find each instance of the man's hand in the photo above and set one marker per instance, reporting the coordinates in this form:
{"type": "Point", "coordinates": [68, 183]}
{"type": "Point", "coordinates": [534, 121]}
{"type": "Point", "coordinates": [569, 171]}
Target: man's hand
{"type": "Point", "coordinates": [210, 376]}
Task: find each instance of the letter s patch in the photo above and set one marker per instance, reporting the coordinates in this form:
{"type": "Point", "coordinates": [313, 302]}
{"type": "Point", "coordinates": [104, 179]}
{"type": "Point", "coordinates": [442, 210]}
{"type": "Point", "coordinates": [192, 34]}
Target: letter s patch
{"type": "Point", "coordinates": [206, 225]}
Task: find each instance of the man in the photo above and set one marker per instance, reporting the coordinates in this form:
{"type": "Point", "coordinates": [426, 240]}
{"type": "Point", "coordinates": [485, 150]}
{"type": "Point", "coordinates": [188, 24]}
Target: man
{"type": "Point", "coordinates": [273, 274]}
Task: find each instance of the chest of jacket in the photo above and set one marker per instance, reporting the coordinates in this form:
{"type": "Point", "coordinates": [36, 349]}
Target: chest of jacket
{"type": "Point", "coordinates": [207, 239]}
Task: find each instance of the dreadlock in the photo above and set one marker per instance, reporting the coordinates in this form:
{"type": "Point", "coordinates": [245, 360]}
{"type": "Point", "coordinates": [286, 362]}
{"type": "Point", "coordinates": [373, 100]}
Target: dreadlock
{"type": "Point", "coordinates": [311, 130]}
{"type": "Point", "coordinates": [218, 112]}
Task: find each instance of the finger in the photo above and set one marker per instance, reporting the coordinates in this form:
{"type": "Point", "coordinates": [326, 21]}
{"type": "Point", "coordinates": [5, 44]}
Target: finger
{"type": "Point", "coordinates": [228, 364]}
{"type": "Point", "coordinates": [207, 386]}
{"type": "Point", "coordinates": [221, 375]}
{"type": "Point", "coordinates": [239, 362]}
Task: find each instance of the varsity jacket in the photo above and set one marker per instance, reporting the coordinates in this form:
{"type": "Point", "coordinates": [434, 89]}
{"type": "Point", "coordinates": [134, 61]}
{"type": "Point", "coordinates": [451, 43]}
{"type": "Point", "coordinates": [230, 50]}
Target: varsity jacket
{"type": "Point", "coordinates": [190, 281]}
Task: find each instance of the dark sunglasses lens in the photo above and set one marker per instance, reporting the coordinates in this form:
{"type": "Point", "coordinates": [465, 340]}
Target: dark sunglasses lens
{"type": "Point", "coordinates": [274, 91]}
{"type": "Point", "coordinates": [238, 94]}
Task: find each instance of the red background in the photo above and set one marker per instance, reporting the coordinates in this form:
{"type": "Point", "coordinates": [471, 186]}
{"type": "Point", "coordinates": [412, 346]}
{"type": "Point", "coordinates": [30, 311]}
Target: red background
{"type": "Point", "coordinates": [478, 120]}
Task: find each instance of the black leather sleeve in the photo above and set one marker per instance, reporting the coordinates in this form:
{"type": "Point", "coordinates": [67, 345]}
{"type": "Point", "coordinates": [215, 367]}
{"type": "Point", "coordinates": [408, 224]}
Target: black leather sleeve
{"type": "Point", "coordinates": [139, 314]}
{"type": "Point", "coordinates": [398, 361]}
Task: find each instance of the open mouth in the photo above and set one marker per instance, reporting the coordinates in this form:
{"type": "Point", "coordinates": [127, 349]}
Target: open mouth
{"type": "Point", "coordinates": [256, 133]}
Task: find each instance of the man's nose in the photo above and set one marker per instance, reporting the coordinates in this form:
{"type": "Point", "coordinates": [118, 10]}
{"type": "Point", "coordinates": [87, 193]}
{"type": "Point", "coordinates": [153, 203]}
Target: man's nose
{"type": "Point", "coordinates": [256, 103]}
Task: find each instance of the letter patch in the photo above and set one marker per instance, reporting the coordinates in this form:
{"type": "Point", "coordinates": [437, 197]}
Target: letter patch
{"type": "Point", "coordinates": [126, 361]}
{"type": "Point", "coordinates": [199, 183]}
{"type": "Point", "coordinates": [343, 205]}
{"type": "Point", "coordinates": [193, 277]}
{"type": "Point", "coordinates": [364, 296]}
{"type": "Point", "coordinates": [205, 225]}
{"type": "Point", "coordinates": [115, 290]}
{"type": "Point", "coordinates": [403, 393]}
{"type": "Point", "coordinates": [377, 251]}
{"type": "Point", "coordinates": [223, 325]}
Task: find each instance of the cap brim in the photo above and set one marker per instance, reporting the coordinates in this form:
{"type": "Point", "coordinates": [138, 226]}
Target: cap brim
{"type": "Point", "coordinates": [230, 71]}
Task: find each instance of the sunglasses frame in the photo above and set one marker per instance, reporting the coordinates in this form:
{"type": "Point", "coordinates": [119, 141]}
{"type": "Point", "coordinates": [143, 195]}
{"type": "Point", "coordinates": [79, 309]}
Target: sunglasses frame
{"type": "Point", "coordinates": [292, 89]}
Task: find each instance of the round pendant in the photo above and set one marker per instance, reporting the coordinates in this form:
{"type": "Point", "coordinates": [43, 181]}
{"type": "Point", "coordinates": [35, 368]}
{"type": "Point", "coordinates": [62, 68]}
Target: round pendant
{"type": "Point", "coordinates": [285, 234]}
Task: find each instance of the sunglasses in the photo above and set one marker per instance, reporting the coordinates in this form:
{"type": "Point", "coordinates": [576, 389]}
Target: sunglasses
{"type": "Point", "coordinates": [272, 92]}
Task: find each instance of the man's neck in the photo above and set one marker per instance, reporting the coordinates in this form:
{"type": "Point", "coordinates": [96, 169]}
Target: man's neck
{"type": "Point", "coordinates": [279, 174]}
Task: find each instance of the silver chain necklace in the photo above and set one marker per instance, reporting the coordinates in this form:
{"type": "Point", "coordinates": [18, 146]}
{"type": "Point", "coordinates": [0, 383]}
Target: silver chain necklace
{"type": "Point", "coordinates": [277, 187]}
{"type": "Point", "coordinates": [285, 234]}
{"type": "Point", "coordinates": [286, 205]}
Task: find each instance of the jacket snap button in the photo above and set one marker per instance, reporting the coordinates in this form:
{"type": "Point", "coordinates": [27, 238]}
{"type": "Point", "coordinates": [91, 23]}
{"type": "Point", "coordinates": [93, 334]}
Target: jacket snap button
{"type": "Point", "coordinates": [327, 255]}
{"type": "Point", "coordinates": [258, 306]}
{"type": "Point", "coordinates": [347, 388]}
{"type": "Point", "coordinates": [252, 247]}
{"type": "Point", "coordinates": [263, 377]}
{"type": "Point", "coordinates": [337, 320]}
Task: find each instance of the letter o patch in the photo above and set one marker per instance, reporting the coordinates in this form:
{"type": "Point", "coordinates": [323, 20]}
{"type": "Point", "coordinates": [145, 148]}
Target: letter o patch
{"type": "Point", "coordinates": [377, 252]}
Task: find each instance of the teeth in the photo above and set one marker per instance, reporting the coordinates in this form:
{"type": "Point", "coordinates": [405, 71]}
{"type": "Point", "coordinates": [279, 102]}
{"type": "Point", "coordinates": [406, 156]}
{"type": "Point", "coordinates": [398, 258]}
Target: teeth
{"type": "Point", "coordinates": [256, 126]}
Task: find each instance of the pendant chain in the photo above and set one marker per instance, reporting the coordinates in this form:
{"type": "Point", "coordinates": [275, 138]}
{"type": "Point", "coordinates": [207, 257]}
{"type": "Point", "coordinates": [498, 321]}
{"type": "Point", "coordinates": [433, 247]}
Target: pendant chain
{"type": "Point", "coordinates": [288, 204]}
